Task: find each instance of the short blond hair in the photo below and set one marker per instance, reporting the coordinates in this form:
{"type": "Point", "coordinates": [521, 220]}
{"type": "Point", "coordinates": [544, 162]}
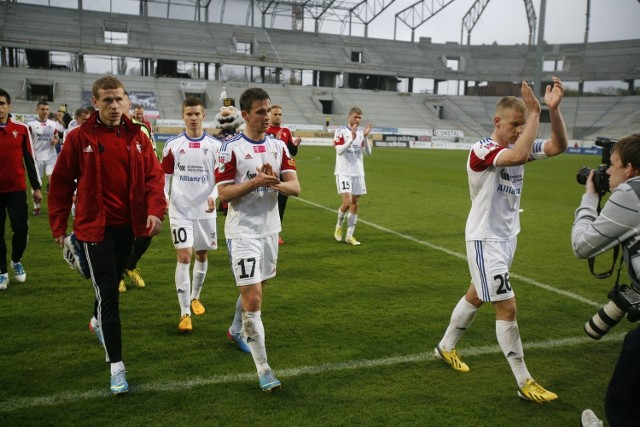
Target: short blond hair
{"type": "Point", "coordinates": [510, 103]}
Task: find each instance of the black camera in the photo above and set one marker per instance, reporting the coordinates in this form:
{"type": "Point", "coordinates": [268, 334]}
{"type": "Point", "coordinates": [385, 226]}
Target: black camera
{"type": "Point", "coordinates": [600, 177]}
{"type": "Point", "coordinates": [624, 300]}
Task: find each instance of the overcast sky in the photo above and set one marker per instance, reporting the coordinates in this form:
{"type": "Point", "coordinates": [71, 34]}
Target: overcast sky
{"type": "Point", "coordinates": [505, 22]}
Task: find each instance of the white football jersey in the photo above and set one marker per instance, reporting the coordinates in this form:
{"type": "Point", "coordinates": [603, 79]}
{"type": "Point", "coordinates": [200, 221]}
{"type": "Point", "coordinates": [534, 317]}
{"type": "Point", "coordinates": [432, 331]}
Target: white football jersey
{"type": "Point", "coordinates": [42, 135]}
{"type": "Point", "coordinates": [351, 162]}
{"type": "Point", "coordinates": [192, 163]}
{"type": "Point", "coordinates": [254, 215]}
{"type": "Point", "coordinates": [495, 191]}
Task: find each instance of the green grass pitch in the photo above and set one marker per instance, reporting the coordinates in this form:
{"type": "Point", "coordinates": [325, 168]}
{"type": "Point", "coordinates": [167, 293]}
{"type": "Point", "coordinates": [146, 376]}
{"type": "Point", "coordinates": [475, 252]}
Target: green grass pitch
{"type": "Point", "coordinates": [350, 331]}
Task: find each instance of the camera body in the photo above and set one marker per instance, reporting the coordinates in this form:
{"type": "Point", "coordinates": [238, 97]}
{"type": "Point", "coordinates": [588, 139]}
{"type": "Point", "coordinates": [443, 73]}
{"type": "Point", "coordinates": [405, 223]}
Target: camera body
{"type": "Point", "coordinates": [628, 300]}
{"type": "Point", "coordinates": [624, 301]}
{"type": "Point", "coordinates": [600, 177]}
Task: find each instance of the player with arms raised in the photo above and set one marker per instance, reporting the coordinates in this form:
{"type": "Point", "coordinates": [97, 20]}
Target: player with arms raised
{"type": "Point", "coordinates": [495, 169]}
{"type": "Point", "coordinates": [351, 145]}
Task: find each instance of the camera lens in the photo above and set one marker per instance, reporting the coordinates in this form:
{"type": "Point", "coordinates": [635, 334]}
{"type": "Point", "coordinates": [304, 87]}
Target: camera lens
{"type": "Point", "coordinates": [583, 175]}
{"type": "Point", "coordinates": [605, 319]}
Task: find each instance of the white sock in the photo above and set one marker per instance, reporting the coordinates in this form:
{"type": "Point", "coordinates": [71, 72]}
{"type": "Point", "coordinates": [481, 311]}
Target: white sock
{"type": "Point", "coordinates": [341, 216]}
{"type": "Point", "coordinates": [236, 326]}
{"type": "Point", "coordinates": [254, 332]}
{"type": "Point", "coordinates": [352, 219]}
{"type": "Point", "coordinates": [461, 318]}
{"type": "Point", "coordinates": [36, 205]}
{"type": "Point", "coordinates": [509, 339]}
{"type": "Point", "coordinates": [117, 366]}
{"type": "Point", "coordinates": [199, 273]}
{"type": "Point", "coordinates": [183, 287]}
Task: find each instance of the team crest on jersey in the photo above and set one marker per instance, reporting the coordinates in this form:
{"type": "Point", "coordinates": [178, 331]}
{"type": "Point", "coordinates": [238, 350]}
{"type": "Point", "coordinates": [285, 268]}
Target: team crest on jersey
{"type": "Point", "coordinates": [259, 149]}
{"type": "Point", "coordinates": [205, 151]}
{"type": "Point", "coordinates": [194, 144]}
{"type": "Point", "coordinates": [275, 155]}
{"type": "Point", "coordinates": [139, 147]}
{"type": "Point", "coordinates": [15, 134]}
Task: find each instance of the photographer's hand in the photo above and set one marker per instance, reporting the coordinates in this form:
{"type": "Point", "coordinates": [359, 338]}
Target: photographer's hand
{"type": "Point", "coordinates": [590, 186]}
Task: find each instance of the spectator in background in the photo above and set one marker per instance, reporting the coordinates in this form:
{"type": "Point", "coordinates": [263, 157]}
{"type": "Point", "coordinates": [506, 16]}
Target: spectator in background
{"type": "Point", "coordinates": [351, 145]}
{"type": "Point", "coordinates": [44, 134]}
{"type": "Point", "coordinates": [16, 159]}
{"type": "Point", "coordinates": [283, 134]}
{"type": "Point", "coordinates": [114, 204]}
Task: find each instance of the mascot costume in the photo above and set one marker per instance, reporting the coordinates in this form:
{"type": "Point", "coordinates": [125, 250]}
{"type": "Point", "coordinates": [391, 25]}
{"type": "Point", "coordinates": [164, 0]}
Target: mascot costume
{"type": "Point", "coordinates": [228, 120]}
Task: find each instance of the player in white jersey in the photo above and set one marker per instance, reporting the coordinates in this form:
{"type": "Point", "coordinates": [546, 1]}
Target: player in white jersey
{"type": "Point", "coordinates": [44, 137]}
{"type": "Point", "coordinates": [495, 168]}
{"type": "Point", "coordinates": [188, 161]}
{"type": "Point", "coordinates": [351, 145]}
{"type": "Point", "coordinates": [248, 172]}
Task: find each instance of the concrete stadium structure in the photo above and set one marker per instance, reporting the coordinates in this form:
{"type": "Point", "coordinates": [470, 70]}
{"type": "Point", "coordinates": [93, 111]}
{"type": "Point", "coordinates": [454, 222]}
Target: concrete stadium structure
{"type": "Point", "coordinates": [346, 70]}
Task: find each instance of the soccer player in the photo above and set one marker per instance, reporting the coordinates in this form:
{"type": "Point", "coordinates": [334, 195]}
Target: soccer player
{"type": "Point", "coordinates": [248, 172]}
{"type": "Point", "coordinates": [16, 159]}
{"type": "Point", "coordinates": [44, 135]}
{"type": "Point", "coordinates": [351, 145]}
{"type": "Point", "coordinates": [283, 134]}
{"type": "Point", "coordinates": [141, 243]}
{"type": "Point", "coordinates": [190, 159]}
{"type": "Point", "coordinates": [495, 169]}
{"type": "Point", "coordinates": [120, 196]}
{"type": "Point", "coordinates": [138, 116]}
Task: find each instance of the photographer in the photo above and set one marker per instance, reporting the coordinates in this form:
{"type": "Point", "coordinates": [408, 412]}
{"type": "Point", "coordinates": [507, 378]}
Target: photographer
{"type": "Point", "coordinates": [593, 234]}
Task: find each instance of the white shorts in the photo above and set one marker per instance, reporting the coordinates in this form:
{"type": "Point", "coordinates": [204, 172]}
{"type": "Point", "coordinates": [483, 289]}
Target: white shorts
{"type": "Point", "coordinates": [46, 167]}
{"type": "Point", "coordinates": [351, 184]}
{"type": "Point", "coordinates": [253, 260]}
{"type": "Point", "coordinates": [199, 234]}
{"type": "Point", "coordinates": [489, 263]}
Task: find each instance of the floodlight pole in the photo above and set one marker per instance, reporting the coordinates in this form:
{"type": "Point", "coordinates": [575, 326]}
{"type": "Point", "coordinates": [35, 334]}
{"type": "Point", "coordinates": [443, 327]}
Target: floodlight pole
{"type": "Point", "coordinates": [537, 84]}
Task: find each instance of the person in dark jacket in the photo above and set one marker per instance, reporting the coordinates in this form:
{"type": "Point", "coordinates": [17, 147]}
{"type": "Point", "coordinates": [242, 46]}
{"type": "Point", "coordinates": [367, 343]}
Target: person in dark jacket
{"type": "Point", "coordinates": [120, 195]}
{"type": "Point", "coordinates": [16, 158]}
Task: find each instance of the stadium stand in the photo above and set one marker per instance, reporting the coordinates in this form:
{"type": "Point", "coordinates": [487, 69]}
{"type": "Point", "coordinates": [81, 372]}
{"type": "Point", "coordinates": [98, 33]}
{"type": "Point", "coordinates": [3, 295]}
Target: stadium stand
{"type": "Point", "coordinates": [333, 55]}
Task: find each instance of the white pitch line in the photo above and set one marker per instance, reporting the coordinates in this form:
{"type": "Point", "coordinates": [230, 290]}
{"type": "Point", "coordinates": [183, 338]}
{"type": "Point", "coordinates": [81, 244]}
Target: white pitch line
{"type": "Point", "coordinates": [65, 398]}
{"type": "Point", "coordinates": [180, 386]}
{"type": "Point", "coordinates": [463, 257]}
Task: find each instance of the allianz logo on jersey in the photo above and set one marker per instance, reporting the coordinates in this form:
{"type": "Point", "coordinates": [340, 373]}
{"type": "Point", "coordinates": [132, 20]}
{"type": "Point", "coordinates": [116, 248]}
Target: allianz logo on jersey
{"type": "Point", "coordinates": [186, 178]}
{"type": "Point", "coordinates": [510, 180]}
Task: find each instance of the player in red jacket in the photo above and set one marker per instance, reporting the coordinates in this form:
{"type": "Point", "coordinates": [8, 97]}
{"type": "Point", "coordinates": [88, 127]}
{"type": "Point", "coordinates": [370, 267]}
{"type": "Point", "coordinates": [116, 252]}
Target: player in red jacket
{"type": "Point", "coordinates": [283, 134]}
{"type": "Point", "coordinates": [120, 195]}
{"type": "Point", "coordinates": [17, 157]}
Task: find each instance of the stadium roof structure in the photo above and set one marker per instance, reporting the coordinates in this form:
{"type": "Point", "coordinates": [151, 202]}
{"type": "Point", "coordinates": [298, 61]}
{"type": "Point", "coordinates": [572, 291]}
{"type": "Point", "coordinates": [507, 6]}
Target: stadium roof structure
{"type": "Point", "coordinates": [330, 54]}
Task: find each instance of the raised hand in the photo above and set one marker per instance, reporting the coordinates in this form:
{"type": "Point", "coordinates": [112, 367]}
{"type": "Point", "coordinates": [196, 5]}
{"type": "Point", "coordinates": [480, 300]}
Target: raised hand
{"type": "Point", "coordinates": [553, 96]}
{"type": "Point", "coordinates": [529, 98]}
